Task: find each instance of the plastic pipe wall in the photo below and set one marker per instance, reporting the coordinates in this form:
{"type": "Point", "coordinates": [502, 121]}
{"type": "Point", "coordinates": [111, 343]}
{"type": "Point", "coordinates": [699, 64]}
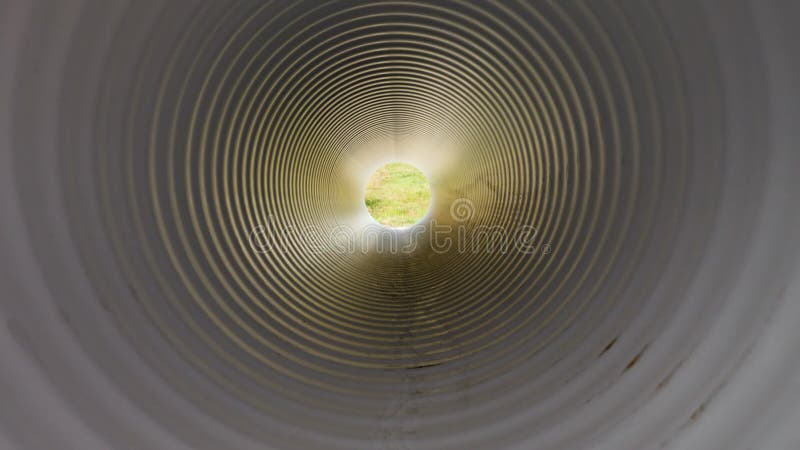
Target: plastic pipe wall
{"type": "Point", "coordinates": [183, 254]}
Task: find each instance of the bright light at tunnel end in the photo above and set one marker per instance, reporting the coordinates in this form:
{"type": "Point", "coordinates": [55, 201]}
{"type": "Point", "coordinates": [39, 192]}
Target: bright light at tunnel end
{"type": "Point", "coordinates": [397, 195]}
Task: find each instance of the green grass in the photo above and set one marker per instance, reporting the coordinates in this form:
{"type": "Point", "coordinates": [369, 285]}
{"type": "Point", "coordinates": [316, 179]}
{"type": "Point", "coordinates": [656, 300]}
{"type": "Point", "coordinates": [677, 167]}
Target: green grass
{"type": "Point", "coordinates": [397, 195]}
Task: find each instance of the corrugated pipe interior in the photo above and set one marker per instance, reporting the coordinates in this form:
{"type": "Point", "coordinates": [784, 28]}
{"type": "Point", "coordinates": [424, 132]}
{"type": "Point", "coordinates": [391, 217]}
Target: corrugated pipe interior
{"type": "Point", "coordinates": [609, 261]}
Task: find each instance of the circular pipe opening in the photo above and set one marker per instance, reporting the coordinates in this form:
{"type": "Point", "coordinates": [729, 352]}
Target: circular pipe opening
{"type": "Point", "coordinates": [397, 195]}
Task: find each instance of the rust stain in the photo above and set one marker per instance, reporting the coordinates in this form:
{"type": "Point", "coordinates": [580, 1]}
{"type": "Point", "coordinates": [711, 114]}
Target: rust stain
{"type": "Point", "coordinates": [635, 360]}
{"type": "Point", "coordinates": [422, 366]}
{"type": "Point", "coordinates": [669, 376]}
{"type": "Point", "coordinates": [696, 414]}
{"type": "Point", "coordinates": [608, 347]}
